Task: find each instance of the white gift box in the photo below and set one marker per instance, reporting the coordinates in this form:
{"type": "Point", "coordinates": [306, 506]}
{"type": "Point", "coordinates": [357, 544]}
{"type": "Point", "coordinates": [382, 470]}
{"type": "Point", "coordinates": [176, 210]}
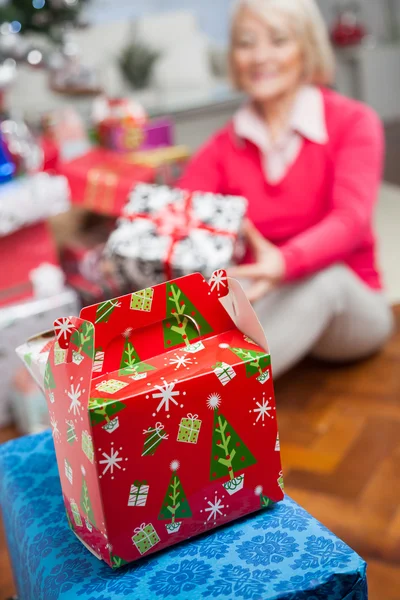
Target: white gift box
{"type": "Point", "coordinates": [31, 199]}
{"type": "Point", "coordinates": [17, 323]}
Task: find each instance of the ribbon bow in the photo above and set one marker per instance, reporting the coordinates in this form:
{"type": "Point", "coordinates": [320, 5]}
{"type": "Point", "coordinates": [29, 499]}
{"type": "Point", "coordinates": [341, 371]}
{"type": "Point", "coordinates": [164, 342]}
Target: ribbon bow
{"type": "Point", "coordinates": [176, 220]}
{"type": "Point", "coordinates": [140, 529]}
{"type": "Point", "coordinates": [158, 427]}
{"type": "Point", "coordinates": [192, 417]}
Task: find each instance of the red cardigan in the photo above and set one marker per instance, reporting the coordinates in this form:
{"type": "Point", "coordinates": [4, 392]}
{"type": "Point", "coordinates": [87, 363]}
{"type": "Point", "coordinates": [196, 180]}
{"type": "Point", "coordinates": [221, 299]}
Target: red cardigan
{"type": "Point", "coordinates": [322, 211]}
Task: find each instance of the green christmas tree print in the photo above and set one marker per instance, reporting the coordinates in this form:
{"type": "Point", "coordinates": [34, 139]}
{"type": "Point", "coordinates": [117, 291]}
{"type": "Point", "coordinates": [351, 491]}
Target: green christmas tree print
{"type": "Point", "coordinates": [178, 328]}
{"type": "Point", "coordinates": [130, 361]}
{"type": "Point", "coordinates": [265, 502]}
{"type": "Point", "coordinates": [86, 504]}
{"type": "Point", "coordinates": [49, 381]}
{"type": "Point", "coordinates": [175, 505]}
{"type": "Point", "coordinates": [229, 454]}
{"type": "Point", "coordinates": [116, 561]}
{"type": "Point", "coordinates": [105, 310]}
{"type": "Point", "coordinates": [69, 520]}
{"type": "Point", "coordinates": [102, 410]}
{"type": "Point", "coordinates": [82, 338]}
{"type": "Point", "coordinates": [256, 362]}
{"type": "Point", "coordinates": [28, 359]}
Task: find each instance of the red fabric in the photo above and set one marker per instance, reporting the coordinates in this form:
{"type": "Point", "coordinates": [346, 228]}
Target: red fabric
{"type": "Point", "coordinates": [20, 253]}
{"type": "Point", "coordinates": [321, 213]}
{"type": "Point", "coordinates": [102, 179]}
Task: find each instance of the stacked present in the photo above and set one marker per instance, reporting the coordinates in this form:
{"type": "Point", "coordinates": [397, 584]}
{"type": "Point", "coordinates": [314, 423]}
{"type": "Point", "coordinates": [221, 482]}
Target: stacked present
{"type": "Point", "coordinates": [129, 149]}
{"type": "Point", "coordinates": [32, 288]}
{"type": "Point", "coordinates": [166, 233]}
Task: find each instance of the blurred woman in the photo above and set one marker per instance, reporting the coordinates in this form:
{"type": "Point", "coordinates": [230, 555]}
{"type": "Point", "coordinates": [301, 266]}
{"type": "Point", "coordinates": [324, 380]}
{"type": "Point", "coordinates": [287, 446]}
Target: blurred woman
{"type": "Point", "coordinates": [309, 161]}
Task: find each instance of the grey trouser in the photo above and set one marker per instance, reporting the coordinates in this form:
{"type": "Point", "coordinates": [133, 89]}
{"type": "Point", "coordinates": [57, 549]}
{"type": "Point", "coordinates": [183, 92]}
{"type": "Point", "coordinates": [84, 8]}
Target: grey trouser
{"type": "Point", "coordinates": [332, 315]}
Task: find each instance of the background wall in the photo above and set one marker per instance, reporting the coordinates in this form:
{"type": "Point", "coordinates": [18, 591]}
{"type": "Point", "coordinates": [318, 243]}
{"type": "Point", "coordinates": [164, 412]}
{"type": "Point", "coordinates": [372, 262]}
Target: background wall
{"type": "Point", "coordinates": [213, 14]}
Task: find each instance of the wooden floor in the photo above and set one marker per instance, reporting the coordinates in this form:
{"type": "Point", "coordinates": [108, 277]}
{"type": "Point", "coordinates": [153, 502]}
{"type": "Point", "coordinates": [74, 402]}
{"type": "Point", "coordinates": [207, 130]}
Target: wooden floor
{"type": "Point", "coordinates": [340, 439]}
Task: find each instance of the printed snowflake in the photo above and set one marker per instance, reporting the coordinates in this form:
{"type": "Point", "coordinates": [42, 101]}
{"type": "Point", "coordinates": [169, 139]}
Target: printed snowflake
{"type": "Point", "coordinates": [180, 361]}
{"type": "Point", "coordinates": [55, 430]}
{"type": "Point", "coordinates": [167, 395]}
{"type": "Point", "coordinates": [218, 279]}
{"type": "Point", "coordinates": [263, 409]}
{"type": "Point", "coordinates": [74, 394]}
{"type": "Point", "coordinates": [213, 401]}
{"type": "Point", "coordinates": [111, 461]}
{"type": "Point", "coordinates": [63, 327]}
{"type": "Point", "coordinates": [215, 508]}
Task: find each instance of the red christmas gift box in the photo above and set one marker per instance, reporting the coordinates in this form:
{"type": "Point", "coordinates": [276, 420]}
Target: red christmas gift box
{"type": "Point", "coordinates": [153, 445]}
{"type": "Point", "coordinates": [165, 233]}
{"type": "Point", "coordinates": [21, 254]}
{"type": "Point", "coordinates": [101, 180]}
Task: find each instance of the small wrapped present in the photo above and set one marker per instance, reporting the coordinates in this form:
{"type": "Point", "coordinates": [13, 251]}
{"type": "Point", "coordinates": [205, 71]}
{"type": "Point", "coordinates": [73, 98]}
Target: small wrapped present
{"type": "Point", "coordinates": [145, 538]}
{"type": "Point", "coordinates": [101, 179]}
{"type": "Point", "coordinates": [189, 429]}
{"type": "Point", "coordinates": [138, 494]}
{"type": "Point", "coordinates": [142, 300]}
{"type": "Point", "coordinates": [168, 163]}
{"type": "Point", "coordinates": [224, 372]}
{"type": "Point", "coordinates": [68, 471]}
{"type": "Point", "coordinates": [87, 445]}
{"type": "Point", "coordinates": [75, 513]}
{"type": "Point", "coordinates": [166, 233]}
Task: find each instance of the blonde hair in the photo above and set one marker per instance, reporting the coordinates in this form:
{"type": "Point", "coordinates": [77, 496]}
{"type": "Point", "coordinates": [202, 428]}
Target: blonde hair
{"type": "Point", "coordinates": [310, 28]}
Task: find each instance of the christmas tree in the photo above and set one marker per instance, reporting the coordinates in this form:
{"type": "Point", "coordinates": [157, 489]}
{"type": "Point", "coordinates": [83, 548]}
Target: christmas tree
{"type": "Point", "coordinates": [130, 361]}
{"type": "Point", "coordinates": [179, 327]}
{"type": "Point", "coordinates": [82, 338]}
{"type": "Point", "coordinates": [101, 410]}
{"type": "Point", "coordinates": [49, 381]}
{"type": "Point", "coordinates": [105, 310]}
{"type": "Point", "coordinates": [86, 504]}
{"type": "Point", "coordinates": [256, 362]}
{"type": "Point", "coordinates": [175, 505]}
{"type": "Point", "coordinates": [42, 16]}
{"type": "Point", "coordinates": [229, 454]}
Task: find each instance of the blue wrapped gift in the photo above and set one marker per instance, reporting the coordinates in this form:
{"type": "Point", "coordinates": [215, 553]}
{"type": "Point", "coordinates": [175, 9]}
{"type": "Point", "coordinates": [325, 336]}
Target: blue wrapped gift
{"type": "Point", "coordinates": [280, 554]}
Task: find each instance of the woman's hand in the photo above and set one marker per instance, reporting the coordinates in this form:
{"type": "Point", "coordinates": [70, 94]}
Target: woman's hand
{"type": "Point", "coordinates": [267, 270]}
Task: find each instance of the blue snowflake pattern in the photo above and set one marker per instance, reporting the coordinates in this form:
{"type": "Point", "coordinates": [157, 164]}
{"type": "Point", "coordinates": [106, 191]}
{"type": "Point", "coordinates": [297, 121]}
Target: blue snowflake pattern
{"type": "Point", "coordinates": [73, 548]}
{"type": "Point", "coordinates": [218, 544]}
{"type": "Point", "coordinates": [52, 487]}
{"type": "Point", "coordinates": [18, 485]}
{"type": "Point", "coordinates": [181, 577]}
{"type": "Point", "coordinates": [308, 581]}
{"type": "Point", "coordinates": [41, 463]}
{"type": "Point", "coordinates": [284, 516]}
{"type": "Point", "coordinates": [239, 582]}
{"type": "Point", "coordinates": [63, 577]}
{"type": "Point", "coordinates": [272, 547]}
{"type": "Point", "coordinates": [43, 543]}
{"type": "Point", "coordinates": [30, 513]}
{"type": "Point", "coordinates": [323, 552]}
{"type": "Point", "coordinates": [50, 518]}
{"type": "Point", "coordinates": [10, 463]}
{"type": "Point", "coordinates": [111, 581]}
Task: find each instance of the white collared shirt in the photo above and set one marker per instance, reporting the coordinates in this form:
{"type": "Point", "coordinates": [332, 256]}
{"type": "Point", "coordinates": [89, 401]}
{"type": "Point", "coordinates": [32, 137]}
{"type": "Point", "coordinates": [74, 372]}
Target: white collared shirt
{"type": "Point", "coordinates": [307, 121]}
